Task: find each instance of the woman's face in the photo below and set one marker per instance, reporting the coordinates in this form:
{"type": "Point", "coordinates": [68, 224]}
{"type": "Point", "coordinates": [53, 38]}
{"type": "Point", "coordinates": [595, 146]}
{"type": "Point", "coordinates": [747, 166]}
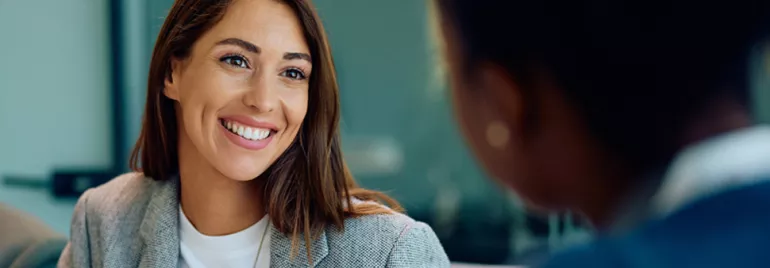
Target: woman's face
{"type": "Point", "coordinates": [242, 93]}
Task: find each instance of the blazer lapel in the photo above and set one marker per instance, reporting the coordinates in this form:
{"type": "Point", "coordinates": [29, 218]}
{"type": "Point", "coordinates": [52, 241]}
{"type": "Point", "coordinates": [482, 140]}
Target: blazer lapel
{"type": "Point", "coordinates": [159, 229]}
{"type": "Point", "coordinates": [280, 250]}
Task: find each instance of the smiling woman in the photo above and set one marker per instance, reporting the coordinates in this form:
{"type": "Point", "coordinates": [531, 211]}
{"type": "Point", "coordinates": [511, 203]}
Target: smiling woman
{"type": "Point", "coordinates": [239, 163]}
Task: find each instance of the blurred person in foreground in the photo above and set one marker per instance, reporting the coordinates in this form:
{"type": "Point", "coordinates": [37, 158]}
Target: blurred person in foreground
{"type": "Point", "coordinates": [26, 242]}
{"type": "Point", "coordinates": [238, 163]}
{"type": "Point", "coordinates": [633, 113]}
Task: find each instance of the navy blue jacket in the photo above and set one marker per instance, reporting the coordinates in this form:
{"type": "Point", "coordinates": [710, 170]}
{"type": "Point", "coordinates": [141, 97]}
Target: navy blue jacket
{"type": "Point", "coordinates": [731, 229]}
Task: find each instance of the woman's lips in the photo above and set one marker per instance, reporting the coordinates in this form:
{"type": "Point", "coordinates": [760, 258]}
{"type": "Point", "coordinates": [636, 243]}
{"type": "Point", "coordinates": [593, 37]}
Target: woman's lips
{"type": "Point", "coordinates": [248, 137]}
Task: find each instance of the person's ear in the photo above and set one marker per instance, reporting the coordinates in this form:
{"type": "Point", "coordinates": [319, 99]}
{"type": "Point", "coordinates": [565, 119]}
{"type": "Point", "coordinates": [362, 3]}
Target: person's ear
{"type": "Point", "coordinates": [171, 83]}
{"type": "Point", "coordinates": [505, 99]}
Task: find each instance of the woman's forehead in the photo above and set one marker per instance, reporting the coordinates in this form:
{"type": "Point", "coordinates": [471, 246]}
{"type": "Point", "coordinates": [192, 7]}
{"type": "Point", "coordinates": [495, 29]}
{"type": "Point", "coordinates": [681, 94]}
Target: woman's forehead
{"type": "Point", "coordinates": [271, 25]}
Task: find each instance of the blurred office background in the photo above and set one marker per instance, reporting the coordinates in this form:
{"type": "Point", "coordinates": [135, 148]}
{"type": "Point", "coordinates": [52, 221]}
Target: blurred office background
{"type": "Point", "coordinates": [72, 88]}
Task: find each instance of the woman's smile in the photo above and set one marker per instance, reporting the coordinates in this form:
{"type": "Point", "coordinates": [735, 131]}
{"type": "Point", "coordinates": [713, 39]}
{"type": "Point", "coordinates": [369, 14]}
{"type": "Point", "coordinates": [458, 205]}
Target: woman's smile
{"type": "Point", "coordinates": [247, 133]}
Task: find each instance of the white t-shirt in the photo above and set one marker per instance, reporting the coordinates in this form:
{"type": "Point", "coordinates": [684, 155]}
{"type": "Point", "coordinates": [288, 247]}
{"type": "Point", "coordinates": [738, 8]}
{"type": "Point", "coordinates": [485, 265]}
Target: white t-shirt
{"type": "Point", "coordinates": [238, 250]}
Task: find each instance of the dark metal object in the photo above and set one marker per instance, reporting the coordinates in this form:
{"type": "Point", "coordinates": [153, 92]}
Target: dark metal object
{"type": "Point", "coordinates": [74, 183]}
{"type": "Point", "coordinates": [119, 154]}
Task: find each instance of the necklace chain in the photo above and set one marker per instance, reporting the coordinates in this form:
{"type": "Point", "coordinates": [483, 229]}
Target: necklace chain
{"type": "Point", "coordinates": [259, 250]}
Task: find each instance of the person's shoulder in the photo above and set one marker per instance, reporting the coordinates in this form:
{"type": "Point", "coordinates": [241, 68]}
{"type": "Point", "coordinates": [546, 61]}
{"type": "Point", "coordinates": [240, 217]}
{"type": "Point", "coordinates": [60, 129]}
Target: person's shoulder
{"type": "Point", "coordinates": [124, 196]}
{"type": "Point", "coordinates": [390, 238]}
{"type": "Point", "coordinates": [698, 235]}
{"type": "Point", "coordinates": [27, 241]}
{"type": "Point", "coordinates": [388, 224]}
{"type": "Point", "coordinates": [120, 192]}
{"type": "Point", "coordinates": [107, 220]}
{"type": "Point", "coordinates": [386, 227]}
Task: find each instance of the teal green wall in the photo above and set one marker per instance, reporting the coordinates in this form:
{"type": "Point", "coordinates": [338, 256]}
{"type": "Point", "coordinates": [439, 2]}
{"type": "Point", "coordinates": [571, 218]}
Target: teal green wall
{"type": "Point", "coordinates": [54, 96]}
{"type": "Point", "coordinates": [54, 85]}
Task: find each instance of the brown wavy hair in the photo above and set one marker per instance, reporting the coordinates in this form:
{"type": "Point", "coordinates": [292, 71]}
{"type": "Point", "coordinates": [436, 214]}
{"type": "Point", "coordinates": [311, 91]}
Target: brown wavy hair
{"type": "Point", "coordinates": [309, 187]}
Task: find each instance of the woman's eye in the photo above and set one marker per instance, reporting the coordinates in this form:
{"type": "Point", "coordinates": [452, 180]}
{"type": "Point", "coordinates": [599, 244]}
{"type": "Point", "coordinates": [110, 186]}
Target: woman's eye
{"type": "Point", "coordinates": [236, 61]}
{"type": "Point", "coordinates": [294, 74]}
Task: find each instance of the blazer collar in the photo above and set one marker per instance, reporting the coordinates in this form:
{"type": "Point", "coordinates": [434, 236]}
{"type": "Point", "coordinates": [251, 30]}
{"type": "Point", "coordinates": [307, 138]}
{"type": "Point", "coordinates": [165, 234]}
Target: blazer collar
{"type": "Point", "coordinates": [159, 229]}
{"type": "Point", "coordinates": [280, 250]}
{"type": "Point", "coordinates": [159, 232]}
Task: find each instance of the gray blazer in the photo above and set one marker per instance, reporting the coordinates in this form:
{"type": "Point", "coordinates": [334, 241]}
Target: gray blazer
{"type": "Point", "coordinates": [26, 242]}
{"type": "Point", "coordinates": [132, 221]}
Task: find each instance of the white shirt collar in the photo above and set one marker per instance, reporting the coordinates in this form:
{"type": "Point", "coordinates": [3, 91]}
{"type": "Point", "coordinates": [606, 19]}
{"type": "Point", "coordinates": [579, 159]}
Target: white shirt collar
{"type": "Point", "coordinates": [244, 239]}
{"type": "Point", "coordinates": [737, 159]}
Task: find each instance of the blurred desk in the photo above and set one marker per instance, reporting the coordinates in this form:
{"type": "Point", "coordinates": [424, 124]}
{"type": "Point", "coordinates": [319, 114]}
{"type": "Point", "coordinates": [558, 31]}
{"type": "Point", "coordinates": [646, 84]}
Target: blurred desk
{"type": "Point", "coordinates": [466, 265]}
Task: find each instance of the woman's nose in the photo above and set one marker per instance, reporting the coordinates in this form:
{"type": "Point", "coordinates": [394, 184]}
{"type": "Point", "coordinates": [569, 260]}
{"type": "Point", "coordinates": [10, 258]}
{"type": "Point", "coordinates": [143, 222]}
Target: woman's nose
{"type": "Point", "coordinates": [261, 96]}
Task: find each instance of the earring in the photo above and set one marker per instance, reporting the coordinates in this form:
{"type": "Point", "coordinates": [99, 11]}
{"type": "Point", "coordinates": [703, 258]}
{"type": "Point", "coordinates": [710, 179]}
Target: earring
{"type": "Point", "coordinates": [497, 135]}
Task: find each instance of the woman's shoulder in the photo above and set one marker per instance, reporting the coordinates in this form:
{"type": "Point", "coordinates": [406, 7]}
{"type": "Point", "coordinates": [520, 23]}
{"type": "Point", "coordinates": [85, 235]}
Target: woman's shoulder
{"type": "Point", "coordinates": [385, 224]}
{"type": "Point", "coordinates": [394, 238]}
{"type": "Point", "coordinates": [127, 192]}
{"type": "Point", "coordinates": [107, 220]}
{"type": "Point", "coordinates": [386, 228]}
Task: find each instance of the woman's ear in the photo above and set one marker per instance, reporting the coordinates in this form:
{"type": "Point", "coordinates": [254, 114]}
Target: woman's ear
{"type": "Point", "coordinates": [171, 83]}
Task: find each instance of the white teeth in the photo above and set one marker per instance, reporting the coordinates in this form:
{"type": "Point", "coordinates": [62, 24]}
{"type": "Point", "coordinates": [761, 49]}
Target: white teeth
{"type": "Point", "coordinates": [260, 134]}
{"type": "Point", "coordinates": [247, 132]}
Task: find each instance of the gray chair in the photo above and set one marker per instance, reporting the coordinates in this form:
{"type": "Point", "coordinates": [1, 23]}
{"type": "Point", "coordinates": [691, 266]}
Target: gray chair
{"type": "Point", "coordinates": [25, 242]}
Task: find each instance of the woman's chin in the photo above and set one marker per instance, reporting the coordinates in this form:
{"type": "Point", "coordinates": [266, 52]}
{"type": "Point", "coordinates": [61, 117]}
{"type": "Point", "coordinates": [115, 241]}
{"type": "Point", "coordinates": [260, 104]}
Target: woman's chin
{"type": "Point", "coordinates": [237, 166]}
{"type": "Point", "coordinates": [242, 174]}
{"type": "Point", "coordinates": [243, 178]}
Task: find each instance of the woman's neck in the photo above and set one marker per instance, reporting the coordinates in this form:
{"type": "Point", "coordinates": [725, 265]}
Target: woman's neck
{"type": "Point", "coordinates": [214, 204]}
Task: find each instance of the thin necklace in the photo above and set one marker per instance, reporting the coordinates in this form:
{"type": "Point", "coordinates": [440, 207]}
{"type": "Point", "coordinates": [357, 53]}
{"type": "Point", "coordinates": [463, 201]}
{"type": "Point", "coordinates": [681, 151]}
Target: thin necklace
{"type": "Point", "coordinates": [259, 250]}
